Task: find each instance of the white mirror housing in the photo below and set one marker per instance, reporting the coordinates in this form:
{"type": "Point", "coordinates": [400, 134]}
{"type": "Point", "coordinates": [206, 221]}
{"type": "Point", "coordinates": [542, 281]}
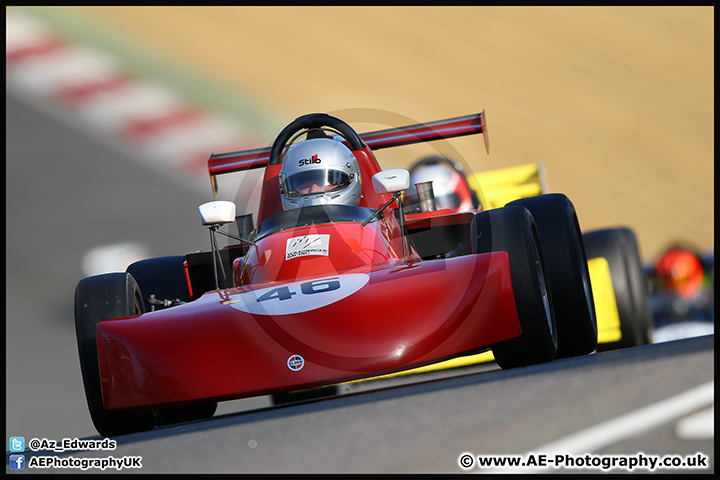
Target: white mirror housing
{"type": "Point", "coordinates": [217, 213]}
{"type": "Point", "coordinates": [391, 181]}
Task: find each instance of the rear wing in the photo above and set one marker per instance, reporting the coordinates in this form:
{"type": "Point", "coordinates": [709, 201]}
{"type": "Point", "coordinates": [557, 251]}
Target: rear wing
{"type": "Point", "coordinates": [222, 163]}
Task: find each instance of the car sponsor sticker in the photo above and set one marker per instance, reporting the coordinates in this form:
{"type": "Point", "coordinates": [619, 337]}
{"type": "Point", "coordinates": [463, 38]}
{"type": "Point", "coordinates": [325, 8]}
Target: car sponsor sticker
{"type": "Point", "coordinates": [295, 363]}
{"type": "Point", "coordinates": [298, 297]}
{"type": "Point", "coordinates": [318, 244]}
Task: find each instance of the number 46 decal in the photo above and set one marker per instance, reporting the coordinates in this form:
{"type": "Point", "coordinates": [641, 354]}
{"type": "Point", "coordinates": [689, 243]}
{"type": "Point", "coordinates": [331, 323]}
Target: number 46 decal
{"type": "Point", "coordinates": [307, 288]}
{"type": "Point", "coordinates": [298, 297]}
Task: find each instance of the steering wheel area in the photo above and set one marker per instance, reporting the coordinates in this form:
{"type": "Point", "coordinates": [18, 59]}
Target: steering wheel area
{"type": "Point", "coordinates": [309, 122]}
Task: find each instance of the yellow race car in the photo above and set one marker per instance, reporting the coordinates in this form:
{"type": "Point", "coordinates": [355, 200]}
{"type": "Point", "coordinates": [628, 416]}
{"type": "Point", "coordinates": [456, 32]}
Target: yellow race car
{"type": "Point", "coordinates": [617, 277]}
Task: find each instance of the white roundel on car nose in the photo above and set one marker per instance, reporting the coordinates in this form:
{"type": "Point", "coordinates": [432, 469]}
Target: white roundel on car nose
{"type": "Point", "coordinates": [298, 297]}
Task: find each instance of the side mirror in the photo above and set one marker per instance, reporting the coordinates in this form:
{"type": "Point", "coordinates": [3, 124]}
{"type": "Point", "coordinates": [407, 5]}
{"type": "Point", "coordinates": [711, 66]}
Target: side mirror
{"type": "Point", "coordinates": [218, 212]}
{"type": "Point", "coordinates": [391, 181]}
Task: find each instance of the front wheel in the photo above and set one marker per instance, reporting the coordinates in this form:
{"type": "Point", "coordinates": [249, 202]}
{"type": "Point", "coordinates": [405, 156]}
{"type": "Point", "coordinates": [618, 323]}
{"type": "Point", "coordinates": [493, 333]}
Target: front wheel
{"type": "Point", "coordinates": [163, 277]}
{"type": "Point", "coordinates": [513, 230]}
{"type": "Point", "coordinates": [171, 415]}
{"type": "Point", "coordinates": [99, 298]}
{"type": "Point", "coordinates": [620, 248]}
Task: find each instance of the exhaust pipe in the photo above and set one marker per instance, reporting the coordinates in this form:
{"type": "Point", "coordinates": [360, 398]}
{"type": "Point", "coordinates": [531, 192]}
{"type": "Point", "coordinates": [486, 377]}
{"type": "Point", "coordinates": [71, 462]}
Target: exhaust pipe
{"type": "Point", "coordinates": [426, 196]}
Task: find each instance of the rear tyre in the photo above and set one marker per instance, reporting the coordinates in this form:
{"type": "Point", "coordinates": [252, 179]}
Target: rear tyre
{"type": "Point", "coordinates": [513, 230]}
{"type": "Point", "coordinates": [620, 248]}
{"type": "Point", "coordinates": [99, 298]}
{"type": "Point", "coordinates": [566, 265]}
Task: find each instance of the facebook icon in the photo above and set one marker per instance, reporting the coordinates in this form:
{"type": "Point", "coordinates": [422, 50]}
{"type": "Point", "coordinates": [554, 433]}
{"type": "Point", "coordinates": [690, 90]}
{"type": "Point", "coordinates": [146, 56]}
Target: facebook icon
{"type": "Point", "coordinates": [17, 462]}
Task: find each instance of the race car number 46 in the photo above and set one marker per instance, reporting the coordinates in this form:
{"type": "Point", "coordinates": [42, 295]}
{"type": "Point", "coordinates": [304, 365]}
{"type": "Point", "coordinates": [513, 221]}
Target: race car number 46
{"type": "Point", "coordinates": [298, 297]}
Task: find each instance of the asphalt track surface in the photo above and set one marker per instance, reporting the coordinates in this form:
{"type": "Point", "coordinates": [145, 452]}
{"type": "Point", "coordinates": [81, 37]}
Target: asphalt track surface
{"type": "Point", "coordinates": [69, 191]}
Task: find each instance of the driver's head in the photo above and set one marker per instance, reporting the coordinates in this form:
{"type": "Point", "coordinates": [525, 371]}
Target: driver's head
{"type": "Point", "coordinates": [319, 171]}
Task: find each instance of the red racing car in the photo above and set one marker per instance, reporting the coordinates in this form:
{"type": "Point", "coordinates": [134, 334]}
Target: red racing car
{"type": "Point", "coordinates": [334, 284]}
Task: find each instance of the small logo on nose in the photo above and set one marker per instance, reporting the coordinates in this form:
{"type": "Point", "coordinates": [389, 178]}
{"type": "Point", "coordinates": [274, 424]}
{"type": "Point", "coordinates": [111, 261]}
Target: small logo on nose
{"type": "Point", "coordinates": [295, 363]}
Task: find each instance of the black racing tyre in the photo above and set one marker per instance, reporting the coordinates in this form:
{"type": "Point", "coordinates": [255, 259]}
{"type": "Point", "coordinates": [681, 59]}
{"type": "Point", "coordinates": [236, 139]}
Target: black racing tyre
{"type": "Point", "coordinates": [639, 286]}
{"type": "Point", "coordinates": [98, 298]}
{"type": "Point", "coordinates": [620, 248]}
{"type": "Point", "coordinates": [281, 398]}
{"type": "Point", "coordinates": [163, 277]}
{"type": "Point", "coordinates": [170, 415]}
{"type": "Point", "coordinates": [513, 230]}
{"type": "Point", "coordinates": [566, 265]}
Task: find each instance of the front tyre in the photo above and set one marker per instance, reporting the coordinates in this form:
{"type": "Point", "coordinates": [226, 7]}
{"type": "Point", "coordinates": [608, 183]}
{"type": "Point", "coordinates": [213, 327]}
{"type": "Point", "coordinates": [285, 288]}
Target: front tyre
{"type": "Point", "coordinates": [639, 286]}
{"type": "Point", "coordinates": [172, 415]}
{"type": "Point", "coordinates": [99, 298]}
{"type": "Point", "coordinates": [620, 248]}
{"type": "Point", "coordinates": [513, 230]}
{"type": "Point", "coordinates": [163, 277]}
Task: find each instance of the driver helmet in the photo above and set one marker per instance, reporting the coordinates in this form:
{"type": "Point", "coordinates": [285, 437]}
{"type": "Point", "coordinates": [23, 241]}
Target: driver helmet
{"type": "Point", "coordinates": [319, 171]}
{"type": "Point", "coordinates": [451, 190]}
{"type": "Point", "coordinates": [681, 270]}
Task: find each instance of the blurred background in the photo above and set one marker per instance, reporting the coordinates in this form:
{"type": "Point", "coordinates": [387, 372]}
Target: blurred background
{"type": "Point", "coordinates": [113, 111]}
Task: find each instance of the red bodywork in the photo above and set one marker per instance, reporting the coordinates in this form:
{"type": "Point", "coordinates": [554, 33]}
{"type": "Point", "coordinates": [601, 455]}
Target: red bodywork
{"type": "Point", "coordinates": [315, 305]}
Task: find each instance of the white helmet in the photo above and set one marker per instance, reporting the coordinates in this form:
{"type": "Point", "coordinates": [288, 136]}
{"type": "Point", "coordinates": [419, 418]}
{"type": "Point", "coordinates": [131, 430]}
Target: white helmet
{"type": "Point", "coordinates": [450, 188]}
{"type": "Point", "coordinates": [319, 171]}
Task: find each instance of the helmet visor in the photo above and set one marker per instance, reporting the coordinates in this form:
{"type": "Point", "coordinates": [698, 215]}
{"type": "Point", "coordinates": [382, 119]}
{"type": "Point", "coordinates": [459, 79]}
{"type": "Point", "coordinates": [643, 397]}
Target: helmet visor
{"type": "Point", "coordinates": [315, 181]}
{"type": "Point", "coordinates": [450, 200]}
